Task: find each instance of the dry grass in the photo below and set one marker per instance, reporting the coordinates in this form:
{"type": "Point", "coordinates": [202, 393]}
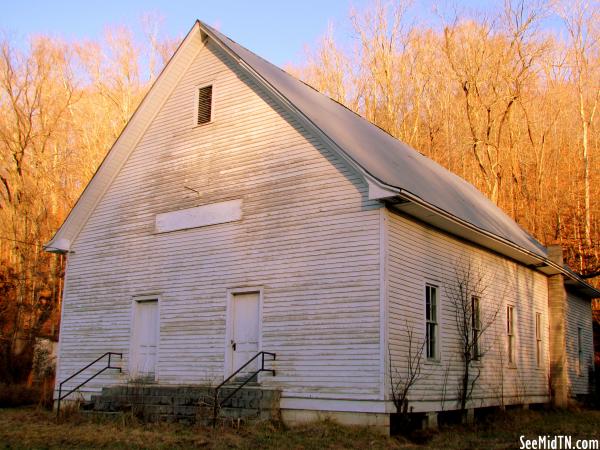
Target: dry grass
{"type": "Point", "coordinates": [502, 430]}
{"type": "Point", "coordinates": [33, 428]}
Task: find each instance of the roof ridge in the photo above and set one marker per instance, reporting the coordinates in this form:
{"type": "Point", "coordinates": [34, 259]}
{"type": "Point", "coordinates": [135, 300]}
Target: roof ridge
{"type": "Point", "coordinates": [313, 88]}
{"type": "Point", "coordinates": [384, 156]}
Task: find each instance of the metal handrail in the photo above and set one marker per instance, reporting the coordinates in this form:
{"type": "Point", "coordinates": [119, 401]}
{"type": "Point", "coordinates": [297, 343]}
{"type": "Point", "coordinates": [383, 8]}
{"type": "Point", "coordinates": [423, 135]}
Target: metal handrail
{"type": "Point", "coordinates": [108, 366]}
{"type": "Point", "coordinates": [218, 403]}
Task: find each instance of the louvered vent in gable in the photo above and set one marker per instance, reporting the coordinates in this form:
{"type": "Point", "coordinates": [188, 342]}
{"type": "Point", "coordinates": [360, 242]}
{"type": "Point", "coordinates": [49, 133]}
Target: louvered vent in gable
{"type": "Point", "coordinates": [204, 105]}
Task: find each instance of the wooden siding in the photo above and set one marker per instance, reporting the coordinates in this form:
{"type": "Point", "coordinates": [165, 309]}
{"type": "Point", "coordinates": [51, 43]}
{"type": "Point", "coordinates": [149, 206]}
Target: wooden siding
{"type": "Point", "coordinates": [130, 137]}
{"type": "Point", "coordinates": [579, 315]}
{"type": "Point", "coordinates": [309, 237]}
{"type": "Point", "coordinates": [419, 255]}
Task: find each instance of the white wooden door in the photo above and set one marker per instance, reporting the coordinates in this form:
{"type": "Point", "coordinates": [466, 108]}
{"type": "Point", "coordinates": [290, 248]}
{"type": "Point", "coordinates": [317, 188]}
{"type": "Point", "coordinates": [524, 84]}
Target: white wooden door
{"type": "Point", "coordinates": [244, 331]}
{"type": "Point", "coordinates": [145, 340]}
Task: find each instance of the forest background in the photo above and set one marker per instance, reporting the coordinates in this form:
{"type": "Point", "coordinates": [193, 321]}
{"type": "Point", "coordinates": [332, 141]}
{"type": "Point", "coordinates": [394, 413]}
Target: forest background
{"type": "Point", "coordinates": [499, 99]}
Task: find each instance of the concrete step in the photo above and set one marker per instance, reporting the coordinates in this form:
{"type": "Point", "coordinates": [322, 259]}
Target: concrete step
{"type": "Point", "coordinates": [87, 405]}
{"type": "Point", "coordinates": [186, 403]}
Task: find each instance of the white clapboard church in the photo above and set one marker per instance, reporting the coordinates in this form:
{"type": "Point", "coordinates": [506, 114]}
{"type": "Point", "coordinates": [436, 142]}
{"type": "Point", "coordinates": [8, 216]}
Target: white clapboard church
{"type": "Point", "coordinates": [243, 213]}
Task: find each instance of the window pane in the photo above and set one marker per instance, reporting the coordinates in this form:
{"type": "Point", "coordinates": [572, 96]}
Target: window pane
{"type": "Point", "coordinates": [580, 350]}
{"type": "Point", "coordinates": [428, 340]}
{"type": "Point", "coordinates": [475, 312]}
{"type": "Point", "coordinates": [431, 320]}
{"type": "Point", "coordinates": [431, 340]}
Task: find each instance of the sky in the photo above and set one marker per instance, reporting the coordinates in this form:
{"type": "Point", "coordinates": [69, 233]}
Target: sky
{"type": "Point", "coordinates": [276, 30]}
{"type": "Point", "coordinates": [279, 31]}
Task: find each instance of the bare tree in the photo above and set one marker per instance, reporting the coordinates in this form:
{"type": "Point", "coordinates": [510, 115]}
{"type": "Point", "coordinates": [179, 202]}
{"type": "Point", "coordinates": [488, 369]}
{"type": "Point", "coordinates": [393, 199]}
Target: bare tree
{"type": "Point", "coordinates": [61, 107]}
{"type": "Point", "coordinates": [496, 99]}
{"type": "Point", "coordinates": [474, 314]}
{"type": "Point", "coordinates": [402, 380]}
{"type": "Point", "coordinates": [581, 19]}
{"type": "Point", "coordinates": [444, 395]}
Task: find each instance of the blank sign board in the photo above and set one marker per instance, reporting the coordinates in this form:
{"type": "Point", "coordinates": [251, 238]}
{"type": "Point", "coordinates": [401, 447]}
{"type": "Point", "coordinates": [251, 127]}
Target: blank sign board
{"type": "Point", "coordinates": [200, 216]}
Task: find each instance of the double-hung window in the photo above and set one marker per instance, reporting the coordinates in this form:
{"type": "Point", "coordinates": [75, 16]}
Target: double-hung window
{"type": "Point", "coordinates": [431, 321]}
{"type": "Point", "coordinates": [475, 326]}
{"type": "Point", "coordinates": [580, 351]}
{"type": "Point", "coordinates": [538, 340]}
{"type": "Point", "coordinates": [510, 333]}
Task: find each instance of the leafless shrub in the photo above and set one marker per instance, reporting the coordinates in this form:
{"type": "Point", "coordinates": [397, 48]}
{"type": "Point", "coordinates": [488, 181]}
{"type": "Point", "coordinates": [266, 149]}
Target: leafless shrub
{"type": "Point", "coordinates": [474, 314]}
{"type": "Point", "coordinates": [401, 381]}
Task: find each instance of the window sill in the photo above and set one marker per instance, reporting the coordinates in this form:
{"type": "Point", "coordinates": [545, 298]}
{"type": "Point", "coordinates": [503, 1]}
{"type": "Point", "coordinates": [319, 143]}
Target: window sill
{"type": "Point", "coordinates": [433, 362]}
{"type": "Point", "coordinates": [201, 125]}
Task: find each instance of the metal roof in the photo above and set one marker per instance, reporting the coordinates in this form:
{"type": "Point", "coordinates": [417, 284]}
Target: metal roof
{"type": "Point", "coordinates": [384, 157]}
{"type": "Point", "coordinates": [413, 183]}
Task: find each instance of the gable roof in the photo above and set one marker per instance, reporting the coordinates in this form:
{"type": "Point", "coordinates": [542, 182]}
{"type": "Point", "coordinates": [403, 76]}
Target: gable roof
{"type": "Point", "coordinates": [399, 174]}
{"type": "Point", "coordinates": [386, 158]}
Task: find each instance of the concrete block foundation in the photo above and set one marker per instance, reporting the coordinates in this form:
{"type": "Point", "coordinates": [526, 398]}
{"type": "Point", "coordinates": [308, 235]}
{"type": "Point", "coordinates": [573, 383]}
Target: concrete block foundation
{"type": "Point", "coordinates": [379, 421]}
{"type": "Point", "coordinates": [189, 404]}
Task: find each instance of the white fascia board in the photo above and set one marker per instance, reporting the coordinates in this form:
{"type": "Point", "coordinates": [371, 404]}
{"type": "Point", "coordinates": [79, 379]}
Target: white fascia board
{"type": "Point", "coordinates": [441, 219]}
{"type": "Point", "coordinates": [58, 245]}
{"type": "Point", "coordinates": [444, 221]}
{"type": "Point", "coordinates": [379, 192]}
{"type": "Point", "coordinates": [124, 145]}
{"type": "Point", "coordinates": [295, 112]}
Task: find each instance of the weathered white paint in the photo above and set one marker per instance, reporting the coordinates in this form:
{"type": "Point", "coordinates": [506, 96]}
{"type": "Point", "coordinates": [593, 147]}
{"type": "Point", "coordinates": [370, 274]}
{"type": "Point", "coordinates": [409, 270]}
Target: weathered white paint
{"type": "Point", "coordinates": [244, 310]}
{"type": "Point", "coordinates": [197, 96]}
{"type": "Point", "coordinates": [128, 140]}
{"type": "Point", "coordinates": [377, 192]}
{"type": "Point", "coordinates": [309, 237]}
{"type": "Point", "coordinates": [384, 385]}
{"type": "Point", "coordinates": [60, 245]}
{"type": "Point", "coordinates": [267, 77]}
{"type": "Point", "coordinates": [419, 255]}
{"type": "Point", "coordinates": [579, 315]}
{"type": "Point", "coordinates": [144, 338]}
{"type": "Point", "coordinates": [338, 275]}
{"type": "Point", "coordinates": [199, 216]}
{"type": "Point", "coordinates": [349, 405]}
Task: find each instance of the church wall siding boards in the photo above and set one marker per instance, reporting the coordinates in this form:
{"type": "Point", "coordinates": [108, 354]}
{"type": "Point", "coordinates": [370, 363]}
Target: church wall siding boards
{"type": "Point", "coordinates": [323, 257]}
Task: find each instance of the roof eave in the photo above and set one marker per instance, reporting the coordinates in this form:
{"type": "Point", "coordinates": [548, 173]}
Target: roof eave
{"type": "Point", "coordinates": [486, 239]}
{"type": "Point", "coordinates": [58, 245]}
{"type": "Point", "coordinates": [63, 238]}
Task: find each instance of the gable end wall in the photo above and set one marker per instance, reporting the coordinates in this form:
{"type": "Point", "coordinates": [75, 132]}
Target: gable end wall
{"type": "Point", "coordinates": [309, 237]}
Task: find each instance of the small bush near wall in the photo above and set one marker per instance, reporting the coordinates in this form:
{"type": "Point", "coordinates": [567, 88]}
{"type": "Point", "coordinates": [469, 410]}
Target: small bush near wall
{"type": "Point", "coordinates": [18, 395]}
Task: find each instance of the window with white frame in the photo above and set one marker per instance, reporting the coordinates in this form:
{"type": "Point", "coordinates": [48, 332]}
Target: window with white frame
{"type": "Point", "coordinates": [510, 333]}
{"type": "Point", "coordinates": [431, 321]}
{"type": "Point", "coordinates": [475, 326]}
{"type": "Point", "coordinates": [538, 339]}
{"type": "Point", "coordinates": [579, 351]}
